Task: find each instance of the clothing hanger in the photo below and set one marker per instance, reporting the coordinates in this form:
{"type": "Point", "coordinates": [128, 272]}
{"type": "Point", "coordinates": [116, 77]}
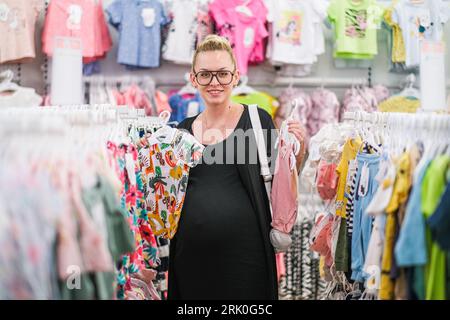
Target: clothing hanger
{"type": "Point", "coordinates": [243, 8]}
{"type": "Point", "coordinates": [409, 91]}
{"type": "Point", "coordinates": [375, 128]}
{"type": "Point", "coordinates": [400, 142]}
{"type": "Point", "coordinates": [429, 140]}
{"type": "Point", "coordinates": [440, 149]}
{"type": "Point", "coordinates": [435, 141]}
{"type": "Point", "coordinates": [188, 87]}
{"type": "Point", "coordinates": [359, 122]}
{"type": "Point", "coordinates": [381, 129]}
{"type": "Point", "coordinates": [243, 88]}
{"type": "Point", "coordinates": [371, 137]}
{"type": "Point", "coordinates": [6, 84]}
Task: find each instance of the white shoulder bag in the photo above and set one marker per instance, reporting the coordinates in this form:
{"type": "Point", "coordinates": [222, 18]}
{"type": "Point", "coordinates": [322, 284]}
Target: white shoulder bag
{"type": "Point", "coordinates": [280, 241]}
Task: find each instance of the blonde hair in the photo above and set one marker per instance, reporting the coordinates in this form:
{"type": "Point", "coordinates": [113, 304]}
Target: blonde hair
{"type": "Point", "coordinates": [214, 42]}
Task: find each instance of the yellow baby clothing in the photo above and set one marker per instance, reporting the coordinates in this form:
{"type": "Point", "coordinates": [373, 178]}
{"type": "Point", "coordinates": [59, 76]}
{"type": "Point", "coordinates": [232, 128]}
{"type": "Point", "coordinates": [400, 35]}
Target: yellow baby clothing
{"type": "Point", "coordinates": [349, 152]}
{"type": "Point", "coordinates": [399, 196]}
{"type": "Point", "coordinates": [398, 43]}
{"type": "Point", "coordinates": [399, 104]}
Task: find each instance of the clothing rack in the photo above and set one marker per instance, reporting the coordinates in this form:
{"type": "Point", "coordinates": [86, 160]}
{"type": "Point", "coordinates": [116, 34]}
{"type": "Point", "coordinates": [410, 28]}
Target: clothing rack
{"type": "Point", "coordinates": [414, 119]}
{"type": "Point", "coordinates": [316, 81]}
{"type": "Point", "coordinates": [112, 80]}
{"type": "Point", "coordinates": [56, 118]}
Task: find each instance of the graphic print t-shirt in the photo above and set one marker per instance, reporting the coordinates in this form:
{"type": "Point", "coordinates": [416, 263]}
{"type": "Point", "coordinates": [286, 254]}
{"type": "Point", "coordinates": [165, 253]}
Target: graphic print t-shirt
{"type": "Point", "coordinates": [180, 44]}
{"type": "Point", "coordinates": [293, 37]}
{"type": "Point", "coordinates": [245, 29]}
{"type": "Point", "coordinates": [419, 21]}
{"type": "Point", "coordinates": [356, 24]}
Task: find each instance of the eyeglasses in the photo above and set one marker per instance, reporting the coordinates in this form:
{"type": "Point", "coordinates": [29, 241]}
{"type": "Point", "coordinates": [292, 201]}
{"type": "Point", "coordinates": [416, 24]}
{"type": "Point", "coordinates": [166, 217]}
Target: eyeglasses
{"type": "Point", "coordinates": [204, 78]}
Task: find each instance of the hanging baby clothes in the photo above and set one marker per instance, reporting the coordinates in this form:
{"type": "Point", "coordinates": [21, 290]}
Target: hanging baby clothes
{"type": "Point", "coordinates": [139, 24]}
{"type": "Point", "coordinates": [398, 54]}
{"type": "Point", "coordinates": [376, 208]}
{"type": "Point", "coordinates": [161, 102]}
{"type": "Point", "coordinates": [296, 35]}
{"type": "Point", "coordinates": [439, 221]}
{"type": "Point", "coordinates": [185, 105]}
{"type": "Point", "coordinates": [135, 97]}
{"type": "Point", "coordinates": [433, 186]}
{"type": "Point", "coordinates": [77, 19]}
{"type": "Point", "coordinates": [180, 44]}
{"type": "Point", "coordinates": [359, 99]}
{"type": "Point", "coordinates": [284, 193]}
{"type": "Point", "coordinates": [132, 195]}
{"type": "Point", "coordinates": [325, 109]}
{"type": "Point", "coordinates": [362, 224]}
{"type": "Point", "coordinates": [17, 27]}
{"type": "Point", "coordinates": [395, 212]}
{"type": "Point", "coordinates": [302, 280]}
{"type": "Point", "coordinates": [287, 99]}
{"type": "Point", "coordinates": [400, 104]}
{"type": "Point", "coordinates": [243, 26]}
{"type": "Point", "coordinates": [423, 20]}
{"type": "Point", "coordinates": [355, 26]}
{"type": "Point", "coordinates": [349, 153]}
{"type": "Point", "coordinates": [166, 157]}
{"type": "Point", "coordinates": [20, 97]}
{"type": "Point", "coordinates": [205, 24]}
{"type": "Point", "coordinates": [262, 99]}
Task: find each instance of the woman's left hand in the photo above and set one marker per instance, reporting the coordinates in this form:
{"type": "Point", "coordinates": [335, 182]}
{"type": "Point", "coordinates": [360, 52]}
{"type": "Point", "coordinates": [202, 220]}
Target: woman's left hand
{"type": "Point", "coordinates": [299, 131]}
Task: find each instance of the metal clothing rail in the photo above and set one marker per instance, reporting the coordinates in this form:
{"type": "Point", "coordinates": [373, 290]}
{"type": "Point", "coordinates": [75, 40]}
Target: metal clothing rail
{"type": "Point", "coordinates": [421, 119]}
{"type": "Point", "coordinates": [118, 79]}
{"type": "Point", "coordinates": [91, 113]}
{"type": "Point", "coordinates": [57, 119]}
{"type": "Point", "coordinates": [319, 81]}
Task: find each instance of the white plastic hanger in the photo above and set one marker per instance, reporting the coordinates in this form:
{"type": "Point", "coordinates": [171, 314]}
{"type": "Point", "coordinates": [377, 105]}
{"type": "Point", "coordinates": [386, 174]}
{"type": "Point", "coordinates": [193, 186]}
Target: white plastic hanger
{"type": "Point", "coordinates": [243, 88]}
{"type": "Point", "coordinates": [440, 149]}
{"type": "Point", "coordinates": [243, 8]}
{"type": "Point", "coordinates": [426, 140]}
{"type": "Point", "coordinates": [409, 90]}
{"type": "Point", "coordinates": [188, 87]}
{"type": "Point", "coordinates": [359, 122]}
{"type": "Point", "coordinates": [6, 84]}
{"type": "Point", "coordinates": [371, 135]}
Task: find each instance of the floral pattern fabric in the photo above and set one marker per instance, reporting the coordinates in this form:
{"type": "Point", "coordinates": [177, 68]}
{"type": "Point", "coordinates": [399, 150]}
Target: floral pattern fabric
{"type": "Point", "coordinates": [166, 159]}
{"type": "Point", "coordinates": [132, 197]}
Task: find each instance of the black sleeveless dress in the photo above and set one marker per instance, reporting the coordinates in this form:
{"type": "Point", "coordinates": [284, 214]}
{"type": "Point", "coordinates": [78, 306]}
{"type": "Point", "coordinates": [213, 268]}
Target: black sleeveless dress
{"type": "Point", "coordinates": [218, 251]}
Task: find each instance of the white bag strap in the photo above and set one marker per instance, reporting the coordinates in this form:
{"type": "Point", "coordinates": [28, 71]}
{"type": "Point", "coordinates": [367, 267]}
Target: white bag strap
{"type": "Point", "coordinates": [262, 150]}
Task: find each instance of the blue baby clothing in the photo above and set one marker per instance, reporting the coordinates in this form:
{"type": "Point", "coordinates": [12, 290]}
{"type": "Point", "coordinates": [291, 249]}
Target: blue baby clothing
{"type": "Point", "coordinates": [139, 24]}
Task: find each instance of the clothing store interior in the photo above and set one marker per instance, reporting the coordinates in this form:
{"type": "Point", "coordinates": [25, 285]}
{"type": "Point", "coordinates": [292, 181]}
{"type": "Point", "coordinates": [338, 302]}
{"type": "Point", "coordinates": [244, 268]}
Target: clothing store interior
{"type": "Point", "coordinates": [92, 93]}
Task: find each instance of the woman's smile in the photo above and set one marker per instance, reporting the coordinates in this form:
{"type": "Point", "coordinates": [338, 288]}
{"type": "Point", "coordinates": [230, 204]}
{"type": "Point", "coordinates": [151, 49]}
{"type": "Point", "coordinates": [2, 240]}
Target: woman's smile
{"type": "Point", "coordinates": [215, 92]}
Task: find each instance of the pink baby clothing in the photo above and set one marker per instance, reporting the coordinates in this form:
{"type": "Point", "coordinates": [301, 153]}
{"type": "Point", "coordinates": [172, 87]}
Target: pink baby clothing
{"type": "Point", "coordinates": [284, 195]}
{"type": "Point", "coordinates": [245, 29]}
{"type": "Point", "coordinates": [68, 248]}
{"type": "Point", "coordinates": [381, 93]}
{"type": "Point", "coordinates": [325, 109]}
{"type": "Point", "coordinates": [119, 99]}
{"type": "Point", "coordinates": [17, 27]}
{"type": "Point", "coordinates": [321, 237]}
{"type": "Point", "coordinates": [287, 101]}
{"type": "Point", "coordinates": [135, 97]}
{"type": "Point", "coordinates": [83, 19]}
{"type": "Point", "coordinates": [94, 248]}
{"type": "Point", "coordinates": [327, 180]}
{"type": "Point", "coordinates": [205, 25]}
{"type": "Point", "coordinates": [162, 102]}
{"type": "Point", "coordinates": [359, 99]}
